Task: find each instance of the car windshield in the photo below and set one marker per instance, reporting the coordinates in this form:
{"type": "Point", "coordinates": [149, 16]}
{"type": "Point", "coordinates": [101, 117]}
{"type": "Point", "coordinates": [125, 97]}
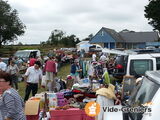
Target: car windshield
{"type": "Point", "coordinates": [22, 54]}
{"type": "Point", "coordinates": [5, 60]}
{"type": "Point", "coordinates": [139, 67]}
{"type": "Point", "coordinates": [143, 95]}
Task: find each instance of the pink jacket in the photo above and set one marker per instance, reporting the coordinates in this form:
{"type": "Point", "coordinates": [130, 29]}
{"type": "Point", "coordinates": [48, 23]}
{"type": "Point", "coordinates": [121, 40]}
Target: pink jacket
{"type": "Point", "coordinates": [50, 66]}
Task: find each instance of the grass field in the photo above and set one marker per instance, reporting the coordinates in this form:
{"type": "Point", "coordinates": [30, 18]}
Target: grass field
{"type": "Point", "coordinates": [64, 71]}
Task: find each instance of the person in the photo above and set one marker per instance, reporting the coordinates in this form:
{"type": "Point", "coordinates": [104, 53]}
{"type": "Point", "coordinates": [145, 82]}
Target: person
{"type": "Point", "coordinates": [33, 77]}
{"type": "Point", "coordinates": [105, 98]}
{"type": "Point", "coordinates": [103, 58]}
{"type": "Point", "coordinates": [69, 82]}
{"type": "Point", "coordinates": [18, 62]}
{"type": "Point", "coordinates": [32, 60]}
{"type": "Point", "coordinates": [82, 52]}
{"type": "Point", "coordinates": [10, 58]}
{"type": "Point", "coordinates": [94, 57]}
{"type": "Point", "coordinates": [11, 103]}
{"type": "Point", "coordinates": [13, 70]}
{"type": "Point", "coordinates": [50, 69]}
{"type": "Point", "coordinates": [3, 66]}
{"type": "Point", "coordinates": [75, 69]}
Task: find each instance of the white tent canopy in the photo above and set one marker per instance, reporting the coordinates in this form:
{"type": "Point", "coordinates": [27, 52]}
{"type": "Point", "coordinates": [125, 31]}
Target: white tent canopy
{"type": "Point", "coordinates": [117, 52]}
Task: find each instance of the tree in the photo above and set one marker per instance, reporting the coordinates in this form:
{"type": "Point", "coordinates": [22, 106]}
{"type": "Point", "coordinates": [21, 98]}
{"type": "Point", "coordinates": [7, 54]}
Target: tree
{"type": "Point", "coordinates": [59, 37]}
{"type": "Point", "coordinates": [20, 44]}
{"type": "Point", "coordinates": [56, 36]}
{"type": "Point", "coordinates": [10, 25]}
{"type": "Point", "coordinates": [90, 37]}
{"type": "Point", "coordinates": [152, 13]}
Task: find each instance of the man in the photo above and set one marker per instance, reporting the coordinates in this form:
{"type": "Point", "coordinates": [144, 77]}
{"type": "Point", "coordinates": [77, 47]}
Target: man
{"type": "Point", "coordinates": [103, 58]}
{"type": "Point", "coordinates": [94, 57]}
{"type": "Point", "coordinates": [3, 65]}
{"type": "Point", "coordinates": [33, 76]}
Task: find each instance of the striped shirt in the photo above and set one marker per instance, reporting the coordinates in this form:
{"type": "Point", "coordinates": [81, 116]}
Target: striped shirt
{"type": "Point", "coordinates": [11, 105]}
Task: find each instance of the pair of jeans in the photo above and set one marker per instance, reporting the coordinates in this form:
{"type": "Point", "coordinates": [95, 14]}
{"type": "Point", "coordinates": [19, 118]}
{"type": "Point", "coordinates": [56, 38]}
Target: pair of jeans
{"type": "Point", "coordinates": [30, 87]}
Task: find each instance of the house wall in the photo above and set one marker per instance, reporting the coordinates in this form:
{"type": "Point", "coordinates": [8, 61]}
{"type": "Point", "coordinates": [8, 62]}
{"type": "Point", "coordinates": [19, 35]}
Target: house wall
{"type": "Point", "coordinates": [135, 45]}
{"type": "Point", "coordinates": [104, 39]}
{"type": "Point", "coordinates": [120, 45]}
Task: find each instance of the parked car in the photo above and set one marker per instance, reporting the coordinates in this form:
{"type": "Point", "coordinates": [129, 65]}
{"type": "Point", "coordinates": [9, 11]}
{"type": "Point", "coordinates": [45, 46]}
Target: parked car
{"type": "Point", "coordinates": [5, 60]}
{"type": "Point", "coordinates": [26, 54]}
{"type": "Point", "coordinates": [95, 48]}
{"type": "Point", "coordinates": [146, 96]}
{"type": "Point", "coordinates": [136, 65]}
{"type": "Point", "coordinates": [120, 66]}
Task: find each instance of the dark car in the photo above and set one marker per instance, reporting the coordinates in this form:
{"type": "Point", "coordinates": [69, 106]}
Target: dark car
{"type": "Point", "coordinates": [120, 66]}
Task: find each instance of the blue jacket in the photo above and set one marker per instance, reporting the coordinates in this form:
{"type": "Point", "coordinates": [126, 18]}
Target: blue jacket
{"type": "Point", "coordinates": [73, 68]}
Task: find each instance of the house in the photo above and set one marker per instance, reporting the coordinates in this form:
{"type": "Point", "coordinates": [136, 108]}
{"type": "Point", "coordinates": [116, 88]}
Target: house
{"type": "Point", "coordinates": [111, 39]}
{"type": "Point", "coordinates": [138, 39]}
{"type": "Point", "coordinates": [107, 38]}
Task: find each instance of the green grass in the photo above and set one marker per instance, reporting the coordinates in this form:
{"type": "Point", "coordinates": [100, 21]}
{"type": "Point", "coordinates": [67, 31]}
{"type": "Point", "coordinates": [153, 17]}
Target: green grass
{"type": "Point", "coordinates": [64, 71]}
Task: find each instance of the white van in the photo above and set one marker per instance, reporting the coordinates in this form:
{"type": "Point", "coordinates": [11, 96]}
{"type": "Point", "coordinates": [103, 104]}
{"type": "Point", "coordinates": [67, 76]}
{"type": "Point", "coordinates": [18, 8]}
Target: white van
{"type": "Point", "coordinates": [26, 54]}
{"type": "Point", "coordinates": [90, 47]}
{"type": "Point", "coordinates": [136, 65]}
{"type": "Point", "coordinates": [140, 63]}
{"type": "Point", "coordinates": [95, 48]}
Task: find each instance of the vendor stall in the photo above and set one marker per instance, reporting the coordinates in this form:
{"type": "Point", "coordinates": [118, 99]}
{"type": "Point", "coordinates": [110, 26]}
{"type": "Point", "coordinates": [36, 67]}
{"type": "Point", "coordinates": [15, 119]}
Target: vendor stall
{"type": "Point", "coordinates": [70, 114]}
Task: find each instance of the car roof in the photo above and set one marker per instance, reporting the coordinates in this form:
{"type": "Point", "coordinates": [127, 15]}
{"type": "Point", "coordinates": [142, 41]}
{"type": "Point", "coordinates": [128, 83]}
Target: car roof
{"type": "Point", "coordinates": [154, 76]}
{"type": "Point", "coordinates": [145, 55]}
{"type": "Point", "coordinates": [28, 50]}
{"type": "Point", "coordinates": [4, 57]}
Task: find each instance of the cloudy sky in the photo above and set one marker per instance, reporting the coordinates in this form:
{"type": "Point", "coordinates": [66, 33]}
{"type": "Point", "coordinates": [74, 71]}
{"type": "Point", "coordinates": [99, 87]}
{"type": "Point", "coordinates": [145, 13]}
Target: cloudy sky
{"type": "Point", "coordinates": [79, 17]}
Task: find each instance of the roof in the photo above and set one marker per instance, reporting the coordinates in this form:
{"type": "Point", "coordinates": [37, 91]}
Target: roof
{"type": "Point", "coordinates": [82, 42]}
{"type": "Point", "coordinates": [144, 56]}
{"type": "Point", "coordinates": [115, 35]}
{"type": "Point", "coordinates": [139, 37]}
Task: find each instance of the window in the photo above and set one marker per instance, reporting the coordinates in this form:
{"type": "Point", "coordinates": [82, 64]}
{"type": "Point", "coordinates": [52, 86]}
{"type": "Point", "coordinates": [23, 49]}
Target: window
{"type": "Point", "coordinates": [139, 67]}
{"type": "Point", "coordinates": [22, 54]}
{"type": "Point", "coordinates": [102, 33]}
{"type": "Point", "coordinates": [146, 92]}
{"type": "Point", "coordinates": [158, 63]}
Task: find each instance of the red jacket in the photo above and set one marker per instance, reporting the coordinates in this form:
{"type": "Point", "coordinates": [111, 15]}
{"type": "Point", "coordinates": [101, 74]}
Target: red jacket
{"type": "Point", "coordinates": [50, 66]}
{"type": "Point", "coordinates": [32, 61]}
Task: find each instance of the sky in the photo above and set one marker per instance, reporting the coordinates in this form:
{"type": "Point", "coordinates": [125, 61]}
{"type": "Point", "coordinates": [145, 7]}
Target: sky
{"type": "Point", "coordinates": [78, 17]}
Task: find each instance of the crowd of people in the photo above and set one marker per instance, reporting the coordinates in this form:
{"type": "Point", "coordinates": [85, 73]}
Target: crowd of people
{"type": "Point", "coordinates": [12, 104]}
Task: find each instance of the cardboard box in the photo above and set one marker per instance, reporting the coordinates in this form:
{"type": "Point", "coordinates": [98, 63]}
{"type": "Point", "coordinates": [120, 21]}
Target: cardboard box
{"type": "Point", "coordinates": [32, 107]}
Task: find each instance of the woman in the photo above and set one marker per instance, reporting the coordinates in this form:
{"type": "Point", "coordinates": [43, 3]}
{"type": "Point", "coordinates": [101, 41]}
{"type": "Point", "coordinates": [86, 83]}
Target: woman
{"type": "Point", "coordinates": [11, 104]}
{"type": "Point", "coordinates": [13, 70]}
{"type": "Point", "coordinates": [75, 69]}
{"type": "Point", "coordinates": [105, 98]}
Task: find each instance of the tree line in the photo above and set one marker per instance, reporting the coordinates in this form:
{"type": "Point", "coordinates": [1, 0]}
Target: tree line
{"type": "Point", "coordinates": [59, 38]}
